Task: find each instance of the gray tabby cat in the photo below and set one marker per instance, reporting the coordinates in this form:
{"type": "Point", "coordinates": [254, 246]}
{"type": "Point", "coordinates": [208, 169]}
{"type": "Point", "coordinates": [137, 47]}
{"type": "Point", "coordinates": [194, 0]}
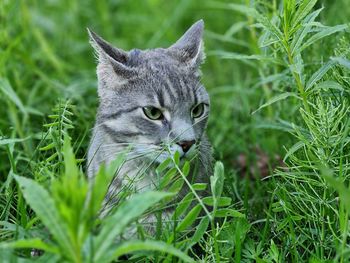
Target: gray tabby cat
{"type": "Point", "coordinates": [151, 102]}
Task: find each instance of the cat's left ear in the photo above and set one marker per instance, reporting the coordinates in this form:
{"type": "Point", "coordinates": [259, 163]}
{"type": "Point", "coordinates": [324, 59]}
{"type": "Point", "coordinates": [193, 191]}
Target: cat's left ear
{"type": "Point", "coordinates": [110, 55]}
{"type": "Point", "coordinates": [189, 49]}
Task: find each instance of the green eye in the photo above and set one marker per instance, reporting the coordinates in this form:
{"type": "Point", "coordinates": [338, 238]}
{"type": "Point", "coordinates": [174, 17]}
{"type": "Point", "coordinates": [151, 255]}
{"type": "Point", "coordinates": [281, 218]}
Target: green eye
{"type": "Point", "coordinates": [198, 111]}
{"type": "Point", "coordinates": [153, 113]}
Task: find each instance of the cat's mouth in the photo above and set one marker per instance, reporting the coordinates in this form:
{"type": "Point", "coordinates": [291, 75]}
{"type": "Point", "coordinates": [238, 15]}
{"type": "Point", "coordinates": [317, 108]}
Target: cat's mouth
{"type": "Point", "coordinates": [170, 152]}
{"type": "Point", "coordinates": [160, 154]}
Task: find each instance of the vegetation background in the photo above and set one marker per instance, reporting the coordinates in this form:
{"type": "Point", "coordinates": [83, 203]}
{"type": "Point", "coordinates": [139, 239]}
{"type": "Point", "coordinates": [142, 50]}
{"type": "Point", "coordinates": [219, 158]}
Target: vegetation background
{"type": "Point", "coordinates": [278, 76]}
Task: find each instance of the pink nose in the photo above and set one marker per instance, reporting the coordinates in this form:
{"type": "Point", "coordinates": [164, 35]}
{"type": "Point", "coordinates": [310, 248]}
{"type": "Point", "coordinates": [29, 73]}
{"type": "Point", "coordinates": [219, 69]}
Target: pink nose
{"type": "Point", "coordinates": [186, 145]}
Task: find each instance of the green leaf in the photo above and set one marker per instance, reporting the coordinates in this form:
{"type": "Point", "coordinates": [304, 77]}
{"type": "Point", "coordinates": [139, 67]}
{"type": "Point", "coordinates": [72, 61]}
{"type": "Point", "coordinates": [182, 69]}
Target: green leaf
{"type": "Point", "coordinates": [242, 57]}
{"type": "Point", "coordinates": [70, 191]}
{"type": "Point", "coordinates": [342, 61]}
{"type": "Point", "coordinates": [177, 158]}
{"type": "Point", "coordinates": [101, 181]}
{"type": "Point", "coordinates": [235, 28]}
{"type": "Point", "coordinates": [149, 245]}
{"type": "Point", "coordinates": [319, 74]}
{"type": "Point", "coordinates": [200, 230]}
{"type": "Point", "coordinates": [323, 33]}
{"type": "Point", "coordinates": [303, 10]}
{"type": "Point", "coordinates": [161, 167]}
{"type": "Point", "coordinates": [176, 186]}
{"type": "Point", "coordinates": [221, 201]}
{"type": "Point", "coordinates": [186, 168]}
{"type": "Point", "coordinates": [189, 218]}
{"type": "Point", "coordinates": [184, 204]}
{"type": "Point", "coordinates": [6, 88]}
{"type": "Point", "coordinates": [328, 85]}
{"type": "Point", "coordinates": [271, 27]}
{"type": "Point", "coordinates": [30, 243]}
{"type": "Point", "coordinates": [7, 256]}
{"type": "Point", "coordinates": [306, 28]}
{"type": "Point", "coordinates": [275, 78]}
{"type": "Point", "coordinates": [11, 141]}
{"type": "Point", "coordinates": [48, 147]}
{"type": "Point", "coordinates": [167, 178]}
{"type": "Point", "coordinates": [337, 184]}
{"type": "Point", "coordinates": [200, 186]}
{"type": "Point", "coordinates": [293, 149]}
{"type": "Point", "coordinates": [276, 99]}
{"type": "Point", "coordinates": [44, 207]}
{"type": "Point", "coordinates": [298, 66]}
{"type": "Point", "coordinates": [71, 168]}
{"type": "Point", "coordinates": [228, 212]}
{"type": "Point", "coordinates": [274, 253]}
{"type": "Point", "coordinates": [252, 12]}
{"type": "Point", "coordinates": [217, 182]}
{"type": "Point", "coordinates": [128, 211]}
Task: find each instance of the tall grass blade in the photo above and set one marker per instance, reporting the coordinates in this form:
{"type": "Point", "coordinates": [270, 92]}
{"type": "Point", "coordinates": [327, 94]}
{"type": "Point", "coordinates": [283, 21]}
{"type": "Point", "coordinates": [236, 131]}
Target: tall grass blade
{"type": "Point", "coordinates": [125, 214]}
{"type": "Point", "coordinates": [277, 98]}
{"type": "Point", "coordinates": [6, 89]}
{"type": "Point", "coordinates": [11, 141]}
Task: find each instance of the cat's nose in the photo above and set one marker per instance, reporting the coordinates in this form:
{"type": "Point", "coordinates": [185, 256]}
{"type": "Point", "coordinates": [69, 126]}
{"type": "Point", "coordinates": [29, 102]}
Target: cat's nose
{"type": "Point", "coordinates": [186, 145]}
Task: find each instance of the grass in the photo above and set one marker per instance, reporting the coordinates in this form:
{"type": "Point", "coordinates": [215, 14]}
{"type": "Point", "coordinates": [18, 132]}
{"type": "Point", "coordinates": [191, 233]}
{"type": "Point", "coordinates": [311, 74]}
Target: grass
{"type": "Point", "coordinates": [278, 76]}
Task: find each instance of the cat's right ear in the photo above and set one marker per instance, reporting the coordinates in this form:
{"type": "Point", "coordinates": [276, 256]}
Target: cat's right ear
{"type": "Point", "coordinates": [189, 48]}
{"type": "Point", "coordinates": [109, 55]}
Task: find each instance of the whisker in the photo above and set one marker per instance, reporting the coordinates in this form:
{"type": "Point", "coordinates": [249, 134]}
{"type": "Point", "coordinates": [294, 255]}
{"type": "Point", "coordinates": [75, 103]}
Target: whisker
{"type": "Point", "coordinates": [127, 143]}
{"type": "Point", "coordinates": [133, 155]}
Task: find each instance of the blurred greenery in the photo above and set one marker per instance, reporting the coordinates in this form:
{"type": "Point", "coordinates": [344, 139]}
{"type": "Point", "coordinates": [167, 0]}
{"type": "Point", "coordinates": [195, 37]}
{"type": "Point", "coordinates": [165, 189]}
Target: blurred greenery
{"type": "Point", "coordinates": [47, 67]}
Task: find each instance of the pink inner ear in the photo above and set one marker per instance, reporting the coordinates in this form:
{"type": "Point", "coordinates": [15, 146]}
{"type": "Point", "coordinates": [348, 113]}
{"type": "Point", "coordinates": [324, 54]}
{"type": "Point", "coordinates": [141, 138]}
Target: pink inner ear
{"type": "Point", "coordinates": [104, 48]}
{"type": "Point", "coordinates": [189, 48]}
{"type": "Point", "coordinates": [115, 57]}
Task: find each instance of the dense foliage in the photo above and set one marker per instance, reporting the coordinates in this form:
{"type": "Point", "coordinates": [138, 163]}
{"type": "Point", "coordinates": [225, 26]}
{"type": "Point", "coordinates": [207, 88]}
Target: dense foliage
{"type": "Point", "coordinates": [278, 76]}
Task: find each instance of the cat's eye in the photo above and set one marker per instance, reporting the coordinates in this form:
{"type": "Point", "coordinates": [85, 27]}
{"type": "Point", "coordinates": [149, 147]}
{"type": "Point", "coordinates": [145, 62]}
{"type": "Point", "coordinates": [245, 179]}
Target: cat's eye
{"type": "Point", "coordinates": [153, 113]}
{"type": "Point", "coordinates": [197, 111]}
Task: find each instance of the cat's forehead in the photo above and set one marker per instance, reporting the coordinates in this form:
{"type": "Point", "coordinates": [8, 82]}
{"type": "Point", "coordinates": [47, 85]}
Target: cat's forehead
{"type": "Point", "coordinates": [166, 89]}
{"type": "Point", "coordinates": [158, 65]}
{"type": "Point", "coordinates": [152, 59]}
{"type": "Point", "coordinates": [163, 81]}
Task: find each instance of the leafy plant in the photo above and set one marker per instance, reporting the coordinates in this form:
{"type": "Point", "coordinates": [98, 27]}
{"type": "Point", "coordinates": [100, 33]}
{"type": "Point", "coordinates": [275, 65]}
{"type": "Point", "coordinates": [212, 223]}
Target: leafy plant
{"type": "Point", "coordinates": [307, 220]}
{"type": "Point", "coordinates": [70, 214]}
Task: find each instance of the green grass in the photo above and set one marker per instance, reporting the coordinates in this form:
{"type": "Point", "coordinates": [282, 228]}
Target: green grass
{"type": "Point", "coordinates": [278, 77]}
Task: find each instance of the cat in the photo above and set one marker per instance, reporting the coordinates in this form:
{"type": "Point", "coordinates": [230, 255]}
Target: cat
{"type": "Point", "coordinates": [153, 104]}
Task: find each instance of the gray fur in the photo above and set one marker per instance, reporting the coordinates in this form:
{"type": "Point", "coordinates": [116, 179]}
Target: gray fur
{"type": "Point", "coordinates": [166, 78]}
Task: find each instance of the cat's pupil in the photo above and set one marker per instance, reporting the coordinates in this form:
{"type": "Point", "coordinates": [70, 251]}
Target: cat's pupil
{"type": "Point", "coordinates": [154, 111]}
{"type": "Point", "coordinates": [198, 111]}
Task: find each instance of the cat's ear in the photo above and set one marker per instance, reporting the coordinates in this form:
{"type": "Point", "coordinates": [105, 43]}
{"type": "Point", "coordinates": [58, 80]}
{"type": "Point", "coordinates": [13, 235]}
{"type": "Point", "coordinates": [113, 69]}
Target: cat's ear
{"type": "Point", "coordinates": [189, 48]}
{"type": "Point", "coordinates": [115, 57]}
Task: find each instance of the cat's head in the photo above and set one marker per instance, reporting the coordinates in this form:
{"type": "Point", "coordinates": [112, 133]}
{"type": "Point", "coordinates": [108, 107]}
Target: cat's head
{"type": "Point", "coordinates": [151, 98]}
